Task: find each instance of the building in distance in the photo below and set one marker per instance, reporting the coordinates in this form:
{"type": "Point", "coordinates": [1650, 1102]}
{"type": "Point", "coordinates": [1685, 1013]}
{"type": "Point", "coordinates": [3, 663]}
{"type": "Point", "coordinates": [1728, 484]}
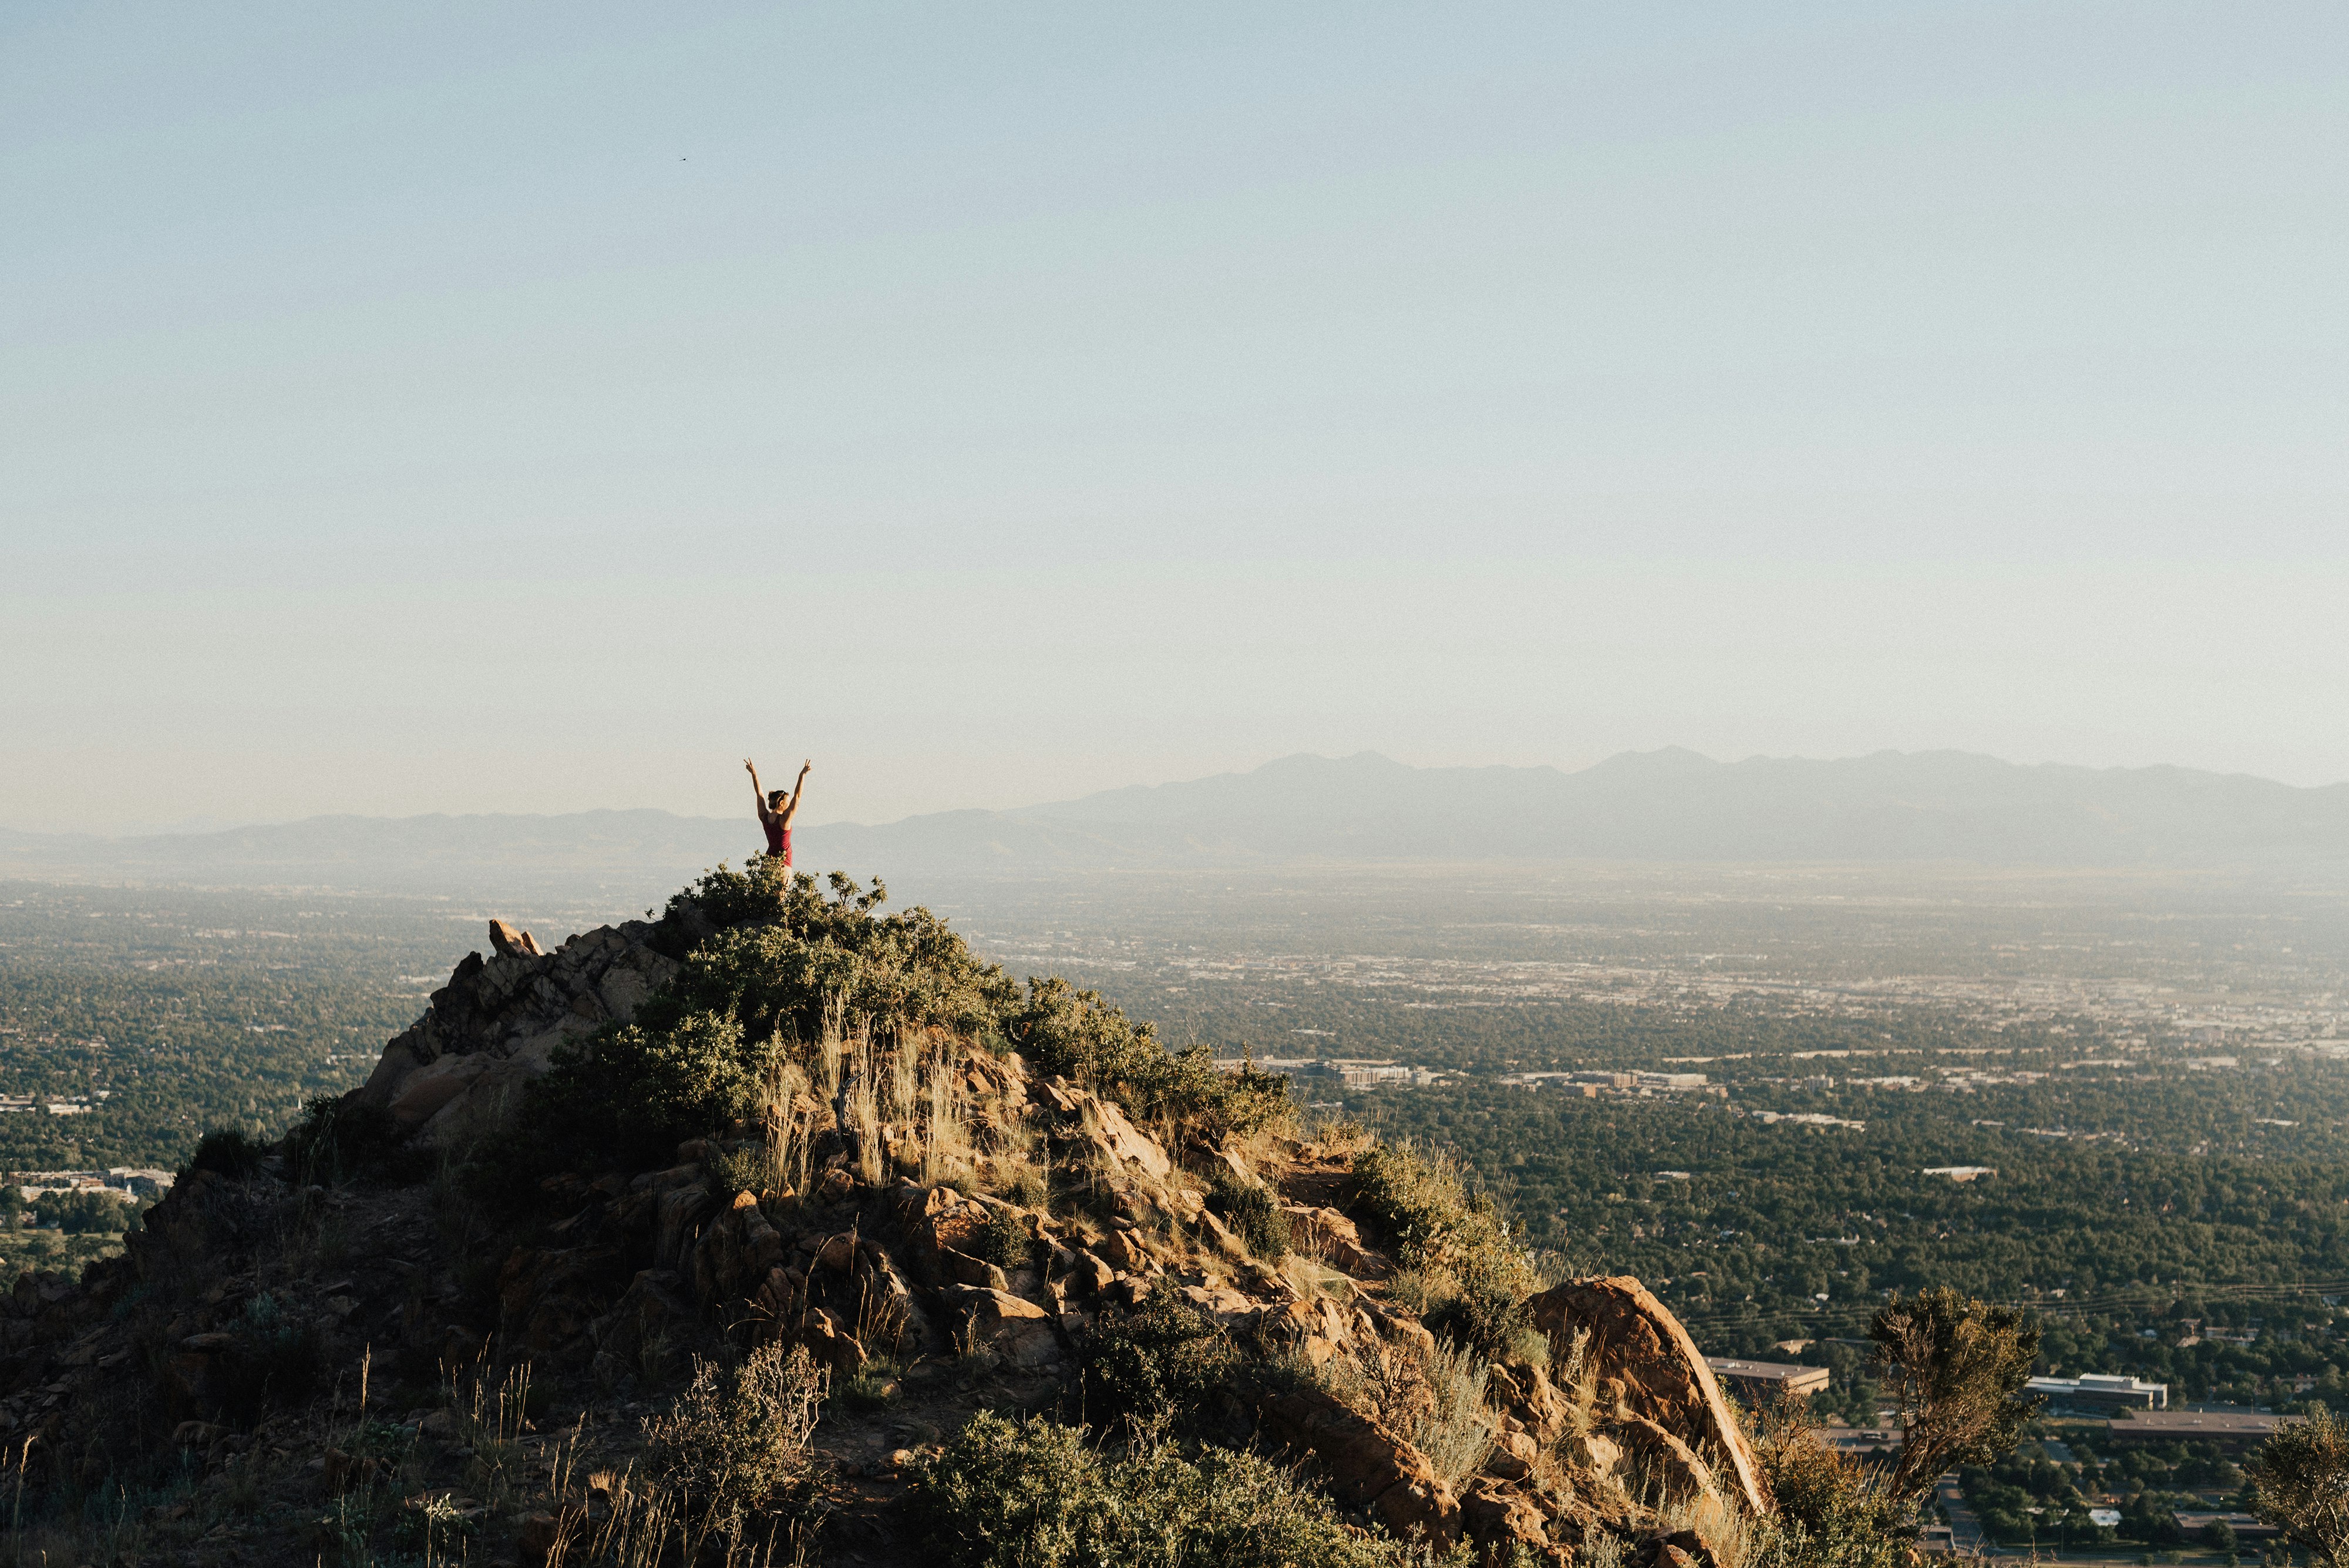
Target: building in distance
{"type": "Point", "coordinates": [1760, 1385]}
{"type": "Point", "coordinates": [2100, 1391]}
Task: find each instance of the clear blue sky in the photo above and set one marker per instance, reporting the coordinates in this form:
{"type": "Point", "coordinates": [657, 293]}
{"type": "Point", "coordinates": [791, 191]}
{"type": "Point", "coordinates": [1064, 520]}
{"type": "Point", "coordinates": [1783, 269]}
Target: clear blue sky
{"type": "Point", "coordinates": [411, 408]}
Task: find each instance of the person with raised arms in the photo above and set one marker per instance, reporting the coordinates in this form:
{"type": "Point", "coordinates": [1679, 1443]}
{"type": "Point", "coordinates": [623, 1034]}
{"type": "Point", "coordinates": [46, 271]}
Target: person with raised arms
{"type": "Point", "coordinates": [776, 809]}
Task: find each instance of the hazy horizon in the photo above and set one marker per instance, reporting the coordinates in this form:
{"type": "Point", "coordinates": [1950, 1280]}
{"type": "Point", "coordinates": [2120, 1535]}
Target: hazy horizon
{"type": "Point", "coordinates": [427, 409]}
{"type": "Point", "coordinates": [818, 819]}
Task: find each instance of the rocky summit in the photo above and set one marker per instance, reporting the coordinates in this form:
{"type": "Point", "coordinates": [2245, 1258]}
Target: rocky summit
{"type": "Point", "coordinates": [782, 1229]}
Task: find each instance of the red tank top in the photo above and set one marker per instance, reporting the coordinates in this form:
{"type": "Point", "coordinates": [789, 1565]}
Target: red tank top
{"type": "Point", "coordinates": [779, 837]}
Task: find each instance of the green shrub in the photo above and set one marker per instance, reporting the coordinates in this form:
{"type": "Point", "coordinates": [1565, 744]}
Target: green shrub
{"type": "Point", "coordinates": [781, 961]}
{"type": "Point", "coordinates": [1163, 1363]}
{"type": "Point", "coordinates": [1833, 1511]}
{"type": "Point", "coordinates": [1034, 1494]}
{"type": "Point", "coordinates": [227, 1152]}
{"type": "Point", "coordinates": [1252, 1212]}
{"type": "Point", "coordinates": [276, 1360]}
{"type": "Point", "coordinates": [1062, 1030]}
{"type": "Point", "coordinates": [1476, 1277]}
{"type": "Point", "coordinates": [338, 1140]}
{"type": "Point", "coordinates": [1004, 1240]}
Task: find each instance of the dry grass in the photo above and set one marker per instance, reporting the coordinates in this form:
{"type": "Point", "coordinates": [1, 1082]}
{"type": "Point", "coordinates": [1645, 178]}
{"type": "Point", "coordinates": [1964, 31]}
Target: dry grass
{"type": "Point", "coordinates": [945, 1135]}
{"type": "Point", "coordinates": [862, 1102]}
{"type": "Point", "coordinates": [1455, 1429]}
{"type": "Point", "coordinates": [1434, 1401]}
{"type": "Point", "coordinates": [491, 1418]}
{"type": "Point", "coordinates": [720, 1460]}
{"type": "Point", "coordinates": [787, 1112]}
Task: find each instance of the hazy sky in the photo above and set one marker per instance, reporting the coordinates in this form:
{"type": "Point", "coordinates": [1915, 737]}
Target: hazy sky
{"type": "Point", "coordinates": [410, 408]}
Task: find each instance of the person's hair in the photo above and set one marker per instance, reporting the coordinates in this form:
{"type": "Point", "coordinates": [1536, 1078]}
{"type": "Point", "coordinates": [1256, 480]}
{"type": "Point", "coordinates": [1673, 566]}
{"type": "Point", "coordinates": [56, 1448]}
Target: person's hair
{"type": "Point", "coordinates": [776, 797]}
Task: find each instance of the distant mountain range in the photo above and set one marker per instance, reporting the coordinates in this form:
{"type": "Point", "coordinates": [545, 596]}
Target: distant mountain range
{"type": "Point", "coordinates": [1666, 805]}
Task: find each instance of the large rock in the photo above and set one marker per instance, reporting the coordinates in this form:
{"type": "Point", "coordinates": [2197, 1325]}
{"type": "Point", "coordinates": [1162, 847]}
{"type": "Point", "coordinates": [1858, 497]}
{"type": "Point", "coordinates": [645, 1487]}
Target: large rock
{"type": "Point", "coordinates": [1330, 1236]}
{"type": "Point", "coordinates": [1367, 1466]}
{"type": "Point", "coordinates": [1666, 1386]}
{"type": "Point", "coordinates": [1498, 1518]}
{"type": "Point", "coordinates": [1086, 1117]}
{"type": "Point", "coordinates": [1013, 1327]}
{"type": "Point", "coordinates": [512, 943]}
{"type": "Point", "coordinates": [456, 1071]}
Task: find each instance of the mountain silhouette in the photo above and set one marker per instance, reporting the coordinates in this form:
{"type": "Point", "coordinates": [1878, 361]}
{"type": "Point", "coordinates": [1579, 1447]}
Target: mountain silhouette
{"type": "Point", "coordinates": [1664, 805]}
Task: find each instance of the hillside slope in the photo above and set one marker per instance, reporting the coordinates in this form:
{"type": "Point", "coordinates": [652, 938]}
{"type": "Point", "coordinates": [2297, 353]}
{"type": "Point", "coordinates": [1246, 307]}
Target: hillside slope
{"type": "Point", "coordinates": [946, 1272]}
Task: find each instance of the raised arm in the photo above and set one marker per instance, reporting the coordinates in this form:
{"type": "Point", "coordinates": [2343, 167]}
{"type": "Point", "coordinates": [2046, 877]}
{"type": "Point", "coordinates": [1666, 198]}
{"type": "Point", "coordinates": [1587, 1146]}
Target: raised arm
{"type": "Point", "coordinates": [758, 795]}
{"type": "Point", "coordinates": [798, 789]}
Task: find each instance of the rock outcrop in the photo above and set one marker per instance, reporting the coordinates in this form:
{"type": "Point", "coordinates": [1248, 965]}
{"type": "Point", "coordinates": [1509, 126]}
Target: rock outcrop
{"type": "Point", "coordinates": [455, 1072]}
{"type": "Point", "coordinates": [1061, 1215]}
{"type": "Point", "coordinates": [1653, 1382]}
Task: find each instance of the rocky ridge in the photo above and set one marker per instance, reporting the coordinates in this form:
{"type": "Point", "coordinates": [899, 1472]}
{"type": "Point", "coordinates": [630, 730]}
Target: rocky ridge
{"type": "Point", "coordinates": [260, 1316]}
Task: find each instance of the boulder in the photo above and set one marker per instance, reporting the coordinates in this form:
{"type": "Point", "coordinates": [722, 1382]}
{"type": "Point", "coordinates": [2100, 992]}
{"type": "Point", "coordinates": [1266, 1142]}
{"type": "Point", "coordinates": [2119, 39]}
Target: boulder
{"type": "Point", "coordinates": [678, 1219]}
{"type": "Point", "coordinates": [1367, 1466]}
{"type": "Point", "coordinates": [1018, 1330]}
{"type": "Point", "coordinates": [1329, 1235]}
{"type": "Point", "coordinates": [513, 943]}
{"type": "Point", "coordinates": [1667, 1389]}
{"type": "Point", "coordinates": [1513, 1456]}
{"type": "Point", "coordinates": [1087, 1118]}
{"type": "Point", "coordinates": [1498, 1518]}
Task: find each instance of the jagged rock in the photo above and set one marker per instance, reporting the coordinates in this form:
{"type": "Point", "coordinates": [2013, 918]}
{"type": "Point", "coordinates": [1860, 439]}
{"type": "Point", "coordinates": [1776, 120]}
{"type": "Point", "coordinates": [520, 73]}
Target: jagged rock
{"type": "Point", "coordinates": [513, 943]}
{"type": "Point", "coordinates": [548, 1300]}
{"type": "Point", "coordinates": [1367, 1466]}
{"type": "Point", "coordinates": [1231, 1309]}
{"type": "Point", "coordinates": [1019, 1331]}
{"type": "Point", "coordinates": [1524, 1390]}
{"type": "Point", "coordinates": [1513, 1456]}
{"type": "Point", "coordinates": [1594, 1454]}
{"type": "Point", "coordinates": [1497, 1518]}
{"type": "Point", "coordinates": [510, 1011]}
{"type": "Point", "coordinates": [677, 1217]}
{"type": "Point", "coordinates": [943, 1220]}
{"type": "Point", "coordinates": [830, 1343]}
{"type": "Point", "coordinates": [1330, 1236]}
{"type": "Point", "coordinates": [962, 1268]}
{"type": "Point", "coordinates": [735, 1251]}
{"type": "Point", "coordinates": [1401, 1327]}
{"type": "Point", "coordinates": [1681, 1549]}
{"type": "Point", "coordinates": [1090, 1274]}
{"type": "Point", "coordinates": [1087, 1118]}
{"type": "Point", "coordinates": [1316, 1328]}
{"type": "Point", "coordinates": [1666, 1385]}
{"type": "Point", "coordinates": [650, 1309]}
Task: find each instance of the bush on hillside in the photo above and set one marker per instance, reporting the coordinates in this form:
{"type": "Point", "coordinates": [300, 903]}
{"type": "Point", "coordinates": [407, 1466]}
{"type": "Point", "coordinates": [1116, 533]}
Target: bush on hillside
{"type": "Point", "coordinates": [783, 965]}
{"type": "Point", "coordinates": [1163, 1364]}
{"type": "Point", "coordinates": [770, 965]}
{"type": "Point", "coordinates": [227, 1152]}
{"type": "Point", "coordinates": [338, 1140]}
{"type": "Point", "coordinates": [737, 1440]}
{"type": "Point", "coordinates": [1062, 1030]}
{"type": "Point", "coordinates": [1478, 1278]}
{"type": "Point", "coordinates": [1035, 1494]}
{"type": "Point", "coordinates": [1252, 1212]}
{"type": "Point", "coordinates": [1833, 1511]}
